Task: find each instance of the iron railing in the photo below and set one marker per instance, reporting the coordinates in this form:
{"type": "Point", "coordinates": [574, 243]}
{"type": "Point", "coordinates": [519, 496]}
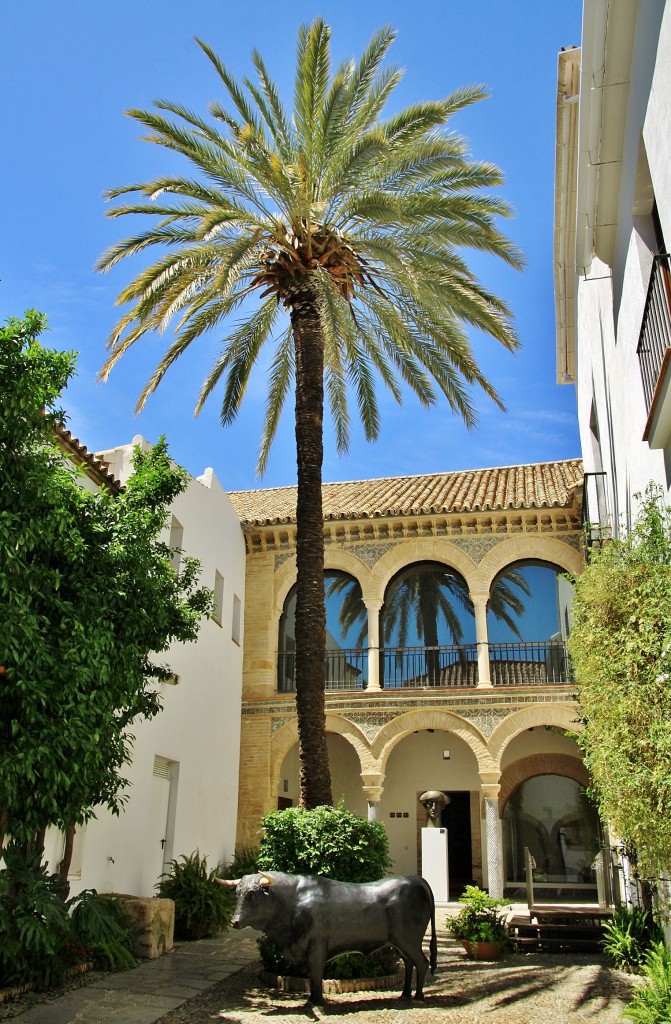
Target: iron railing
{"type": "Point", "coordinates": [443, 667]}
{"type": "Point", "coordinates": [529, 664]}
{"type": "Point", "coordinates": [655, 338]}
{"type": "Point", "coordinates": [596, 518]}
{"type": "Point", "coordinates": [345, 670]}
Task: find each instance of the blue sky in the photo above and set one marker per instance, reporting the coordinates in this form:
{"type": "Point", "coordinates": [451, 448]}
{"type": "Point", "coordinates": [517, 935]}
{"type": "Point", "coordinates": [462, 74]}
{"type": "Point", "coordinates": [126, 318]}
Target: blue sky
{"type": "Point", "coordinates": [70, 69]}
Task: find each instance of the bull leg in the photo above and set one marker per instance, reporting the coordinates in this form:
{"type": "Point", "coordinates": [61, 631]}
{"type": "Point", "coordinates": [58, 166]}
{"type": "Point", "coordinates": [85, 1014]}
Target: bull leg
{"type": "Point", "coordinates": [407, 985]}
{"type": "Point", "coordinates": [414, 956]}
{"type": "Point", "coordinates": [422, 966]}
{"type": "Point", "coordinates": [316, 960]}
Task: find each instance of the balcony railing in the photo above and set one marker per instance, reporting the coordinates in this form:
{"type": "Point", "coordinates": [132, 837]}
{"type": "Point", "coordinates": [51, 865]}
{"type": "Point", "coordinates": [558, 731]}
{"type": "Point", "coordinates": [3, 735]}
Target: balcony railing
{"type": "Point", "coordinates": [445, 667]}
{"type": "Point", "coordinates": [655, 337]}
{"type": "Point", "coordinates": [529, 664]}
{"type": "Point", "coordinates": [428, 666]}
{"type": "Point", "coordinates": [596, 518]}
{"type": "Point", "coordinates": [345, 670]}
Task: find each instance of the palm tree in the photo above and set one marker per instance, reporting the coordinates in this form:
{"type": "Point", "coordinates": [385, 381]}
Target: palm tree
{"type": "Point", "coordinates": [352, 224]}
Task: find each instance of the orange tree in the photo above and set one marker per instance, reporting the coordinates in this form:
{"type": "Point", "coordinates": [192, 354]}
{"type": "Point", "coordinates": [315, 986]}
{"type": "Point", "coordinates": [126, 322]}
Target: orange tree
{"type": "Point", "coordinates": [88, 597]}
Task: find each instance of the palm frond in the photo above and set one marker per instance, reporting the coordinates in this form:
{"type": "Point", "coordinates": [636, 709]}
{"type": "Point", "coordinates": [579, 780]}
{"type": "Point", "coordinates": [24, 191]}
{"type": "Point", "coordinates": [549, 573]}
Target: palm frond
{"type": "Point", "coordinates": [281, 374]}
{"type": "Point", "coordinates": [273, 110]}
{"type": "Point", "coordinates": [371, 213]}
{"type": "Point", "coordinates": [235, 92]}
{"type": "Point", "coordinates": [240, 350]}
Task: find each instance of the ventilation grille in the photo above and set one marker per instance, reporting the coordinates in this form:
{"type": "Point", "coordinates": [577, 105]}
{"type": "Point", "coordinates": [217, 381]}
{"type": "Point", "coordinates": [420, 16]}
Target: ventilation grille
{"type": "Point", "coordinates": [161, 767]}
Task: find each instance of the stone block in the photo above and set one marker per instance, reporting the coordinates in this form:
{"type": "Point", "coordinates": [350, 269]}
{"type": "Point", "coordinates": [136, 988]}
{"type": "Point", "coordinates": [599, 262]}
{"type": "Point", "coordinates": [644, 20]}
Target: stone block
{"type": "Point", "coordinates": [152, 922]}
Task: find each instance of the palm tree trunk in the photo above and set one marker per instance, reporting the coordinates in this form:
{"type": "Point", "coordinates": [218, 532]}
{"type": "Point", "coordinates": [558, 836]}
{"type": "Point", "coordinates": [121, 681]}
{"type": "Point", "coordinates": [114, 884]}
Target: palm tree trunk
{"type": "Point", "coordinates": [429, 616]}
{"type": "Point", "coordinates": [310, 611]}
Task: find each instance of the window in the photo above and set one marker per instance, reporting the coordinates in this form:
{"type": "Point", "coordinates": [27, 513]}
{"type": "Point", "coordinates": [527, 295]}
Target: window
{"type": "Point", "coordinates": [237, 610]}
{"type": "Point", "coordinates": [218, 597]}
{"type": "Point", "coordinates": [552, 817]}
{"type": "Point", "coordinates": [175, 542]}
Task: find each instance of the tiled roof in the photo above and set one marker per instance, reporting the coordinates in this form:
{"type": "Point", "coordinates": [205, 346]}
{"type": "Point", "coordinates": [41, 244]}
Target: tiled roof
{"type": "Point", "coordinates": [541, 485]}
{"type": "Point", "coordinates": [80, 454]}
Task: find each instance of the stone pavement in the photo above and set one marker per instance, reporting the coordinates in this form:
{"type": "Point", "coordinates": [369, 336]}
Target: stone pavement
{"type": "Point", "coordinates": [146, 993]}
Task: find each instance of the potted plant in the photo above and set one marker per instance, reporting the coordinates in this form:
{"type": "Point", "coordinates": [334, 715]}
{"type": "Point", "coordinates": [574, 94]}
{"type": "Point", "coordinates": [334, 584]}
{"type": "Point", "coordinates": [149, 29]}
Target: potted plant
{"type": "Point", "coordinates": [479, 925]}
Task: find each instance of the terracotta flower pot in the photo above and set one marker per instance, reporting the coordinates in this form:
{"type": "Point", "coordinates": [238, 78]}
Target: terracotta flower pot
{"type": "Point", "coordinates": [482, 950]}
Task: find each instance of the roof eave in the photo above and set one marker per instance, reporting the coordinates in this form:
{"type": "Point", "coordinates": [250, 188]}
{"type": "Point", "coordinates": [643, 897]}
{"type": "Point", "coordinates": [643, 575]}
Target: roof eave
{"type": "Point", "coordinates": [566, 152]}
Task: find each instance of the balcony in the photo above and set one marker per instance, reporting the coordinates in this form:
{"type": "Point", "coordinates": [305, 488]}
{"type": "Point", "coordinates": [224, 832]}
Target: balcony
{"type": "Point", "coordinates": [442, 667]}
{"type": "Point", "coordinates": [654, 354]}
{"type": "Point", "coordinates": [452, 667]}
{"type": "Point", "coordinates": [596, 516]}
{"type": "Point", "coordinates": [529, 664]}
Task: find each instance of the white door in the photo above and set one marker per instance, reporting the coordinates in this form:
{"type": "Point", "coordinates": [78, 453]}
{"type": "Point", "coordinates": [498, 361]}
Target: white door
{"type": "Point", "coordinates": [157, 852]}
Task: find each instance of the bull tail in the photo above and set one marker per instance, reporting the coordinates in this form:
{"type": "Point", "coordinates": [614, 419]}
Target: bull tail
{"type": "Point", "coordinates": [433, 945]}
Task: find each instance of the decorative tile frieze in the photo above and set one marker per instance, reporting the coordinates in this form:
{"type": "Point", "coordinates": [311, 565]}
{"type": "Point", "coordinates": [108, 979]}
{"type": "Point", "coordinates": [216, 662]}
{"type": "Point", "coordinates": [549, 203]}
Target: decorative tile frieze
{"type": "Point", "coordinates": [374, 711]}
{"type": "Point", "coordinates": [476, 547]}
{"type": "Point", "coordinates": [487, 721]}
{"type": "Point", "coordinates": [278, 722]}
{"type": "Point", "coordinates": [370, 722]}
{"type": "Point", "coordinates": [370, 554]}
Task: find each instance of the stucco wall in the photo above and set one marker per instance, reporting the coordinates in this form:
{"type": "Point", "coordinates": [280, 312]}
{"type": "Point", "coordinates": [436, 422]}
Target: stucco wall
{"type": "Point", "coordinates": [197, 734]}
{"type": "Point", "coordinates": [610, 302]}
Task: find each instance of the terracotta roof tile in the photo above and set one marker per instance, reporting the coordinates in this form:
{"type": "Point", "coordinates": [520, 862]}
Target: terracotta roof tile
{"type": "Point", "coordinates": [82, 456]}
{"type": "Point", "coordinates": [542, 485]}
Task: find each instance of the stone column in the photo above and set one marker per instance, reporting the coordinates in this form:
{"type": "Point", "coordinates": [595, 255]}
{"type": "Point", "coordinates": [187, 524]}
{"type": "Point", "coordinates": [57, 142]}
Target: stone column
{"type": "Point", "coordinates": [372, 790]}
{"type": "Point", "coordinates": [494, 835]}
{"type": "Point", "coordinates": [482, 637]}
{"type": "Point", "coordinates": [374, 647]}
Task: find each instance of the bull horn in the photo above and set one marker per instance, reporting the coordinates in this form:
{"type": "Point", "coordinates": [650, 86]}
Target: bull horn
{"type": "Point", "coordinates": [231, 883]}
{"type": "Point", "coordinates": [267, 879]}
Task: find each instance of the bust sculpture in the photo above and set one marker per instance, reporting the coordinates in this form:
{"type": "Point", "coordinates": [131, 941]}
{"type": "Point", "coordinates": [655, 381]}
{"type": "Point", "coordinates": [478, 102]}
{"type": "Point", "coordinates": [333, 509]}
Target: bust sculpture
{"type": "Point", "coordinates": [433, 802]}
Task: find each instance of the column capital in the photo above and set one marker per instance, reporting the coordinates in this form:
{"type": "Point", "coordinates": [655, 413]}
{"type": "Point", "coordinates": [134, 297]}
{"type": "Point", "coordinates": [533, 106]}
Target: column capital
{"type": "Point", "coordinates": [490, 792]}
{"type": "Point", "coordinates": [490, 784]}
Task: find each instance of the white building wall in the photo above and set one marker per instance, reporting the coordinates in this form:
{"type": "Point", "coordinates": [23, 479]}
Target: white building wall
{"type": "Point", "coordinates": [196, 737]}
{"type": "Point", "coordinates": [611, 299]}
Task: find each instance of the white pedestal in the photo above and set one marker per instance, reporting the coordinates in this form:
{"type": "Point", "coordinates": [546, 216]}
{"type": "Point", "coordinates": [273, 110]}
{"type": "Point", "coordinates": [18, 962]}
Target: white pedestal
{"type": "Point", "coordinates": [434, 862]}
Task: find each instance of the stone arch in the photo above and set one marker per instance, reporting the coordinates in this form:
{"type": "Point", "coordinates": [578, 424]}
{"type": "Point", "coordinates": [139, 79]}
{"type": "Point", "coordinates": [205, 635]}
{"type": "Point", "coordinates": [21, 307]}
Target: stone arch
{"type": "Point", "coordinates": [540, 764]}
{"type": "Point", "coordinates": [525, 547]}
{"type": "Point", "coordinates": [335, 558]}
{"type": "Point", "coordinates": [283, 581]}
{"type": "Point", "coordinates": [404, 725]}
{"type": "Point", "coordinates": [287, 736]}
{"type": "Point", "coordinates": [402, 555]}
{"type": "Point", "coordinates": [561, 715]}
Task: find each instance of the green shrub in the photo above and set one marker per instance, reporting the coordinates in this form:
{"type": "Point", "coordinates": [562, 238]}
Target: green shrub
{"type": "Point", "coordinates": [201, 906]}
{"type": "Point", "coordinates": [100, 930]}
{"type": "Point", "coordinates": [42, 935]}
{"type": "Point", "coordinates": [479, 920]}
{"type": "Point", "coordinates": [629, 936]}
{"type": "Point", "coordinates": [329, 841]}
{"type": "Point", "coordinates": [652, 1002]}
{"type": "Point", "coordinates": [35, 928]}
{"type": "Point", "coordinates": [244, 863]}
